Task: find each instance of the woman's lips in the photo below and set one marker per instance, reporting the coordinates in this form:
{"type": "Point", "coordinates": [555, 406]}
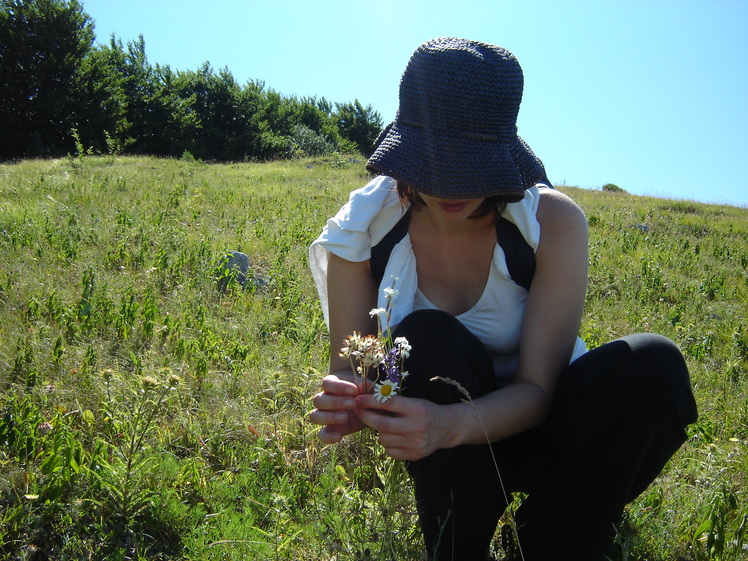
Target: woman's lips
{"type": "Point", "coordinates": [452, 206]}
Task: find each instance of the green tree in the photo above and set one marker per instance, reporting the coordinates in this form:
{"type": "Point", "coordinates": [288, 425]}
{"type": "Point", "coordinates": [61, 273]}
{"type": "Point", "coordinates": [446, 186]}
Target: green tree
{"type": "Point", "coordinates": [359, 124]}
{"type": "Point", "coordinates": [222, 133]}
{"type": "Point", "coordinates": [42, 46]}
{"type": "Point", "coordinates": [316, 116]}
{"type": "Point", "coordinates": [102, 122]}
{"type": "Point", "coordinates": [269, 121]}
{"type": "Point", "coordinates": [161, 122]}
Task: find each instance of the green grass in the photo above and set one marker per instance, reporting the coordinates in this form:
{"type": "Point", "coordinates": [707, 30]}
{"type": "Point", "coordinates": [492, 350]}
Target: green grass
{"type": "Point", "coordinates": [145, 415]}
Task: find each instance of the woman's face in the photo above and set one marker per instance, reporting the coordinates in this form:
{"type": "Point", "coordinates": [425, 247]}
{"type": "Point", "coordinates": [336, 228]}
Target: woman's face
{"type": "Point", "coordinates": [451, 210]}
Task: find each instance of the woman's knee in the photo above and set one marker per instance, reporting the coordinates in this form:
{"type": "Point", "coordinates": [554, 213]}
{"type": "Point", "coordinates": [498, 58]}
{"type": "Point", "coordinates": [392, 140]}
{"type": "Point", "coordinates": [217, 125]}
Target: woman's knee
{"type": "Point", "coordinates": [658, 362]}
{"type": "Point", "coordinates": [427, 325]}
{"type": "Point", "coordinates": [658, 374]}
{"type": "Point", "coordinates": [646, 372]}
{"type": "Point", "coordinates": [442, 347]}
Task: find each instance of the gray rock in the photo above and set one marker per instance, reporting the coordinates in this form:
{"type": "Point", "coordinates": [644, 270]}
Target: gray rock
{"type": "Point", "coordinates": [235, 265]}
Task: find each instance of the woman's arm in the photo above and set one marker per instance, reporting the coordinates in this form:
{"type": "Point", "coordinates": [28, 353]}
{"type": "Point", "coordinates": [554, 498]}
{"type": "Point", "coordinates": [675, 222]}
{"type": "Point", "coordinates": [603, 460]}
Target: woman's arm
{"type": "Point", "coordinates": [352, 293]}
{"type": "Point", "coordinates": [551, 322]}
{"type": "Point", "coordinates": [550, 327]}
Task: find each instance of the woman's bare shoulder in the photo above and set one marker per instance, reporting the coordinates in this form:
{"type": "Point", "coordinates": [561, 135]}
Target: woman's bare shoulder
{"type": "Point", "coordinates": [555, 209]}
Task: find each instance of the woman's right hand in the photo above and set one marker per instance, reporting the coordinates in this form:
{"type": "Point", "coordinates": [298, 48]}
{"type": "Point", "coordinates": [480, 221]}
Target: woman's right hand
{"type": "Point", "coordinates": [334, 407]}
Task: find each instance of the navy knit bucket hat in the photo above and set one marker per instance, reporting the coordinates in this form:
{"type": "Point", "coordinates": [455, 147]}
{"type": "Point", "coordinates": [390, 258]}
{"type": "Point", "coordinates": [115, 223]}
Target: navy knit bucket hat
{"type": "Point", "coordinates": [455, 133]}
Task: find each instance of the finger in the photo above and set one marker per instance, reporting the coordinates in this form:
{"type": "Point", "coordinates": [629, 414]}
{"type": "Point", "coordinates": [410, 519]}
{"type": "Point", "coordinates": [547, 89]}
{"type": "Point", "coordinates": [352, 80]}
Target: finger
{"type": "Point", "coordinates": [395, 404]}
{"type": "Point", "coordinates": [320, 417]}
{"type": "Point", "coordinates": [402, 453]}
{"type": "Point", "coordinates": [392, 440]}
{"type": "Point", "coordinates": [334, 385]}
{"type": "Point", "coordinates": [382, 421]}
{"type": "Point", "coordinates": [329, 435]}
{"type": "Point", "coordinates": [403, 446]}
{"type": "Point", "coordinates": [332, 402]}
{"type": "Point", "coordinates": [399, 454]}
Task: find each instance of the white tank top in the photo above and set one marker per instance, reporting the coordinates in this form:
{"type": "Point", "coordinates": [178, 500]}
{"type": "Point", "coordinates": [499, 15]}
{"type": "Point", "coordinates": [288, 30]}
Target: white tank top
{"type": "Point", "coordinates": [496, 319]}
{"type": "Point", "coordinates": [371, 212]}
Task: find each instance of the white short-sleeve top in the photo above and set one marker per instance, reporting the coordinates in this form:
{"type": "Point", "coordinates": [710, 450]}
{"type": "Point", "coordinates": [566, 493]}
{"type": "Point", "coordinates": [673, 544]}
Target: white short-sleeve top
{"type": "Point", "coordinates": [372, 211]}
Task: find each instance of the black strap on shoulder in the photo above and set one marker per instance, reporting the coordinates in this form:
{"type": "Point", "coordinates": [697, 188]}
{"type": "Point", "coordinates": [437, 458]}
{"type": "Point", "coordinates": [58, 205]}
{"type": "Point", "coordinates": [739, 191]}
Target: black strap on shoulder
{"type": "Point", "coordinates": [380, 253]}
{"type": "Point", "coordinates": [520, 257]}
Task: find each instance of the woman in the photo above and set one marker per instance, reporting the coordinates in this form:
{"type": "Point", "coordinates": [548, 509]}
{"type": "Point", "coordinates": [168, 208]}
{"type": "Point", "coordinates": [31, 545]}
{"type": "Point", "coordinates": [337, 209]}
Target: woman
{"type": "Point", "coordinates": [580, 432]}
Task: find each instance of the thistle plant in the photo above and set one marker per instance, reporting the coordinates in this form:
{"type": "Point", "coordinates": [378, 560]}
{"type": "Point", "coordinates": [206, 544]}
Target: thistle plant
{"type": "Point", "coordinates": [130, 461]}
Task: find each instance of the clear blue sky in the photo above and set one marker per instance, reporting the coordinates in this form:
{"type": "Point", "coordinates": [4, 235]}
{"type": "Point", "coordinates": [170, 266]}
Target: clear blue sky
{"type": "Point", "coordinates": [651, 95]}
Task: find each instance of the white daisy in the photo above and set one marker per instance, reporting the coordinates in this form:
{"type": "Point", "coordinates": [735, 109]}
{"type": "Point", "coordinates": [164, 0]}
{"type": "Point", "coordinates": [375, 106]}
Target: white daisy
{"type": "Point", "coordinates": [385, 390]}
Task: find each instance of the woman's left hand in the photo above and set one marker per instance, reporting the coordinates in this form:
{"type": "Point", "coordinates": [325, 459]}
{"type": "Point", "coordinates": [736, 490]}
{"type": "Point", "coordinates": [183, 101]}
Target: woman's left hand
{"type": "Point", "coordinates": [409, 428]}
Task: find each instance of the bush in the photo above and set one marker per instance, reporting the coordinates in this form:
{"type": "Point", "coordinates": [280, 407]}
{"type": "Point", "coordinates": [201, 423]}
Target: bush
{"type": "Point", "coordinates": [613, 187]}
{"type": "Point", "coordinates": [305, 142]}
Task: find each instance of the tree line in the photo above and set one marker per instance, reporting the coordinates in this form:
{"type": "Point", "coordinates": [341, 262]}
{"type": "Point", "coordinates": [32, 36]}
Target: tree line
{"type": "Point", "coordinates": [59, 91]}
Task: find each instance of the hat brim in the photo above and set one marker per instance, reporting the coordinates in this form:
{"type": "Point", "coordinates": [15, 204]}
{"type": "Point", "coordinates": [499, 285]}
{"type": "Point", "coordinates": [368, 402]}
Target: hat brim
{"type": "Point", "coordinates": [458, 167]}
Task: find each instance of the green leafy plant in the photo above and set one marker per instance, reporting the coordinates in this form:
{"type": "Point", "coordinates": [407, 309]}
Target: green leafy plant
{"type": "Point", "coordinates": [122, 475]}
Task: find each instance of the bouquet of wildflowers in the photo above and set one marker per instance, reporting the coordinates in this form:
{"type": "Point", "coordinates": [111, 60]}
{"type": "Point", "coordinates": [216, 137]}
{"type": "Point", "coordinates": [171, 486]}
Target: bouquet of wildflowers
{"type": "Point", "coordinates": [378, 358]}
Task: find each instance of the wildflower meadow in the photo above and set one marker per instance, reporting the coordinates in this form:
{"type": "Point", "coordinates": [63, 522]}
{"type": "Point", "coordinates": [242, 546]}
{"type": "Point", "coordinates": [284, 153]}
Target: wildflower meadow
{"type": "Point", "coordinates": [154, 399]}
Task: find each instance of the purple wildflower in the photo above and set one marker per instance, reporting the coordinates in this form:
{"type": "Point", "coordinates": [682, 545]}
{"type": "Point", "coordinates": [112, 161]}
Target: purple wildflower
{"type": "Point", "coordinates": [391, 365]}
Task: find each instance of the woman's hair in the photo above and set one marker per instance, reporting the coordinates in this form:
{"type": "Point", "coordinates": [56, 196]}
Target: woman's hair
{"type": "Point", "coordinates": [495, 204]}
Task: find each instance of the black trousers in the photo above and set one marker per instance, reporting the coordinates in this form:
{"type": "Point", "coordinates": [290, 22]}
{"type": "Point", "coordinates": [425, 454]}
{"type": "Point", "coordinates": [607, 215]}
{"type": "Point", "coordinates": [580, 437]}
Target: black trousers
{"type": "Point", "coordinates": [619, 414]}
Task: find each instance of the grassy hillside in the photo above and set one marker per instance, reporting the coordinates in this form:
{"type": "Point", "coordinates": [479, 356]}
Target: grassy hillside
{"type": "Point", "coordinates": [144, 414]}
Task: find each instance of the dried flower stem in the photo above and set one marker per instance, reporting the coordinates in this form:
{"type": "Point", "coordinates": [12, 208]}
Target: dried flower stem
{"type": "Point", "coordinates": [469, 401]}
